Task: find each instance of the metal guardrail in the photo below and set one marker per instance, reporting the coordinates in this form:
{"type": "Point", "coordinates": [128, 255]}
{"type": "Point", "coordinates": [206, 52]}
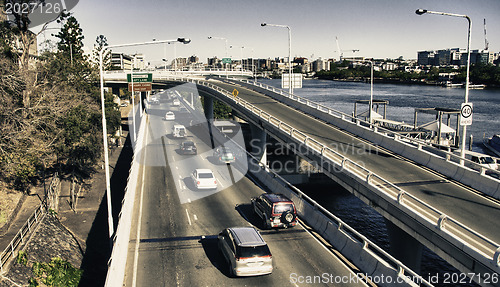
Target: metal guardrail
{"type": "Point", "coordinates": [25, 231]}
{"type": "Point", "coordinates": [487, 251]}
{"type": "Point", "coordinates": [396, 136]}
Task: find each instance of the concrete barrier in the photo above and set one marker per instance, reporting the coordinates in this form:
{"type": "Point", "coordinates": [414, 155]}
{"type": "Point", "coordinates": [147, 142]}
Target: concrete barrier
{"type": "Point", "coordinates": [118, 260]}
{"type": "Point", "coordinates": [335, 236]}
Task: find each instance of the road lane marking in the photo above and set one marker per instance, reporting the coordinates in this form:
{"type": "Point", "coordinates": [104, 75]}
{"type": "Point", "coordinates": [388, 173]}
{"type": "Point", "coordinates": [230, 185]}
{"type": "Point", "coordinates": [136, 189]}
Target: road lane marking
{"type": "Point", "coordinates": [189, 219]}
{"type": "Point", "coordinates": [195, 217]}
{"type": "Point", "coordinates": [138, 235]}
{"type": "Point", "coordinates": [189, 200]}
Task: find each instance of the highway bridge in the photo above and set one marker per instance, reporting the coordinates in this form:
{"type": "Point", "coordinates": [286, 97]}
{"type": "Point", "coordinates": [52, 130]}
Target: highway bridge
{"type": "Point", "coordinates": [454, 220]}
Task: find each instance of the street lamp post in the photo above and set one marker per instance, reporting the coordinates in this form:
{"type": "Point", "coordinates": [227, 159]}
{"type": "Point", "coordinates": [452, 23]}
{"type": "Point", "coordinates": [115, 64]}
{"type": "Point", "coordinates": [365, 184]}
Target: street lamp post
{"type": "Point", "coordinates": [225, 48]}
{"type": "Point", "coordinates": [290, 88]}
{"type": "Point", "coordinates": [370, 113]}
{"type": "Point", "coordinates": [423, 11]}
{"type": "Point", "coordinates": [104, 128]}
{"type": "Point", "coordinates": [164, 60]}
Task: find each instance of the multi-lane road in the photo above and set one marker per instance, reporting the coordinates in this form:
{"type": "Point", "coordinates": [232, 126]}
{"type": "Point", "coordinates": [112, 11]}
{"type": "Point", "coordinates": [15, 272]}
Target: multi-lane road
{"type": "Point", "coordinates": [173, 240]}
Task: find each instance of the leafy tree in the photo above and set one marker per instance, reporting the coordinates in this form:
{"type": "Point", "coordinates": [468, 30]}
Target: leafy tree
{"type": "Point", "coordinates": [100, 44]}
{"type": "Point", "coordinates": [50, 113]}
{"type": "Point", "coordinates": [70, 43]}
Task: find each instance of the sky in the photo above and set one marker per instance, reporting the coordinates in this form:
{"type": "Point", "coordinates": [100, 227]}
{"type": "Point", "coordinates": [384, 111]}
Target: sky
{"type": "Point", "coordinates": [377, 28]}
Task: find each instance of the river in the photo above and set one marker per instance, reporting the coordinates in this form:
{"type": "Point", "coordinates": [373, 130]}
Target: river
{"type": "Point", "coordinates": [403, 99]}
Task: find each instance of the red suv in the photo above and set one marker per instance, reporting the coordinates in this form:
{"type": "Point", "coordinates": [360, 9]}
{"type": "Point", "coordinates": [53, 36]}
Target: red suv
{"type": "Point", "coordinates": [275, 210]}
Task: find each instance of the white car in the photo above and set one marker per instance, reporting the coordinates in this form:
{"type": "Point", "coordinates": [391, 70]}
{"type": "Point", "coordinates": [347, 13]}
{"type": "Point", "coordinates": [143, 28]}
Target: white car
{"type": "Point", "coordinates": [204, 178]}
{"type": "Point", "coordinates": [176, 103]}
{"type": "Point", "coordinates": [170, 116]}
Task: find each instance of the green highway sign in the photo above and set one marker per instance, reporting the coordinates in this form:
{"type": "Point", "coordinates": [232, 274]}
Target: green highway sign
{"type": "Point", "coordinates": [226, 60]}
{"type": "Point", "coordinates": [140, 78]}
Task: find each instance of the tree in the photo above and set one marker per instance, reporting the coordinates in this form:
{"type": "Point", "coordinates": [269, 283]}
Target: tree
{"type": "Point", "coordinates": [101, 43]}
{"type": "Point", "coordinates": [71, 38]}
{"type": "Point", "coordinates": [49, 114]}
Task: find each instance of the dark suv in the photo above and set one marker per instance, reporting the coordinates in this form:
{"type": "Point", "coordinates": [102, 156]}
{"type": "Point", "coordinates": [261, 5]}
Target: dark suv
{"type": "Point", "coordinates": [188, 147]}
{"type": "Point", "coordinates": [275, 210]}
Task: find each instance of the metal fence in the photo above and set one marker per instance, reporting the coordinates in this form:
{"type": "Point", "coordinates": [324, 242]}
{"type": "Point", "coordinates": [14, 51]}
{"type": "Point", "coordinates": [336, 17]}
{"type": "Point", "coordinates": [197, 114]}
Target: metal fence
{"type": "Point", "coordinates": [10, 251]}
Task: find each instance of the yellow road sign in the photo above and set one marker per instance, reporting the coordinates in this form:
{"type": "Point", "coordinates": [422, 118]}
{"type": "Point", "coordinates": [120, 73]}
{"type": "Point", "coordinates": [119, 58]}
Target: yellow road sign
{"type": "Point", "coordinates": [235, 92]}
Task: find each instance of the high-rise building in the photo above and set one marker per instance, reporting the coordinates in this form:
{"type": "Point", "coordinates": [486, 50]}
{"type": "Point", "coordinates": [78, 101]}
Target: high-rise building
{"type": "Point", "coordinates": [121, 61]}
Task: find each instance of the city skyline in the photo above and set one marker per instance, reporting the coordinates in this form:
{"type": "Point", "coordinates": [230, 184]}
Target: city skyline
{"type": "Point", "coordinates": [378, 29]}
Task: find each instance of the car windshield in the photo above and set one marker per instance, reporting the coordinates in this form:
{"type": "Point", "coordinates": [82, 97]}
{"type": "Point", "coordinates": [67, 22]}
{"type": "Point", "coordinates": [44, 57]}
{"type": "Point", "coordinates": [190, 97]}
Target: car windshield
{"type": "Point", "coordinates": [282, 207]}
{"type": "Point", "coordinates": [253, 251]}
{"type": "Point", "coordinates": [205, 175]}
{"type": "Point", "coordinates": [487, 160]}
{"type": "Point", "coordinates": [188, 144]}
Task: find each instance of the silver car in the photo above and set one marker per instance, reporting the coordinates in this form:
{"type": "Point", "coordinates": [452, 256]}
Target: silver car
{"type": "Point", "coordinates": [245, 251]}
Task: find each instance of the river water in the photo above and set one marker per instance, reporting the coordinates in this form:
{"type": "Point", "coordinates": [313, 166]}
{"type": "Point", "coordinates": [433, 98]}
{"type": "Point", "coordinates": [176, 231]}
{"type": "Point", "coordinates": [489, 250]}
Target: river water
{"type": "Point", "coordinates": [402, 101]}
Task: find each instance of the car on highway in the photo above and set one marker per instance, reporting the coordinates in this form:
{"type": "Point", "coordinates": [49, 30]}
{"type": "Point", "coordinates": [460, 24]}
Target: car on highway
{"type": "Point", "coordinates": [204, 178]}
{"type": "Point", "coordinates": [179, 131]}
{"type": "Point", "coordinates": [155, 101]}
{"type": "Point", "coordinates": [245, 251]}
{"type": "Point", "coordinates": [176, 103]}
{"type": "Point", "coordinates": [188, 147]}
{"type": "Point", "coordinates": [169, 116]}
{"type": "Point", "coordinates": [224, 155]}
{"type": "Point", "coordinates": [275, 210]}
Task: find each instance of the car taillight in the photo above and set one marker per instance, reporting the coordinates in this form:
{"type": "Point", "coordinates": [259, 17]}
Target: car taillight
{"type": "Point", "coordinates": [198, 183]}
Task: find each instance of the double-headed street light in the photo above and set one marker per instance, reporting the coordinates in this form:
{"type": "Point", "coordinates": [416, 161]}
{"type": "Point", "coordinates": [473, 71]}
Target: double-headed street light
{"type": "Point", "coordinates": [423, 11]}
{"type": "Point", "coordinates": [179, 40]}
{"type": "Point", "coordinates": [290, 88]}
{"type": "Point", "coordinates": [225, 48]}
{"type": "Point", "coordinates": [104, 129]}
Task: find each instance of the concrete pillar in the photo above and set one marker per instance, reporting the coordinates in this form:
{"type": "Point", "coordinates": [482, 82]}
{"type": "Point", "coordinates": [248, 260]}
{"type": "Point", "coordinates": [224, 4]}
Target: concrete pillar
{"type": "Point", "coordinates": [404, 247]}
{"type": "Point", "coordinates": [208, 106]}
{"type": "Point", "coordinates": [258, 143]}
{"type": "Point", "coordinates": [142, 106]}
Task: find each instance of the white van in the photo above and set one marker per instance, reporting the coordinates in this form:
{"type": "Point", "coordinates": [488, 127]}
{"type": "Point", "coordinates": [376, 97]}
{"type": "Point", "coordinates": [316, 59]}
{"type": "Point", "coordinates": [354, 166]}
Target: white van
{"type": "Point", "coordinates": [179, 131]}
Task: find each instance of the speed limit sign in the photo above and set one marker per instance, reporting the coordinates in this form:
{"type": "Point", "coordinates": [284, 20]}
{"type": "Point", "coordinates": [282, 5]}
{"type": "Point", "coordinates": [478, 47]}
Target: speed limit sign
{"type": "Point", "coordinates": [466, 114]}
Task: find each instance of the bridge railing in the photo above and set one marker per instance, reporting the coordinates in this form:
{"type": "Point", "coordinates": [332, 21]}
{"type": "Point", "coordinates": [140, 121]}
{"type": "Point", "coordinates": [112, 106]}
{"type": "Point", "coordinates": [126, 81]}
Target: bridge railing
{"type": "Point", "coordinates": [483, 170]}
{"type": "Point", "coordinates": [478, 246]}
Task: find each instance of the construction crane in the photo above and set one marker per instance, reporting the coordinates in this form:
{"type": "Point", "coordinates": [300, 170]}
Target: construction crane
{"type": "Point", "coordinates": [341, 52]}
{"type": "Point", "coordinates": [486, 43]}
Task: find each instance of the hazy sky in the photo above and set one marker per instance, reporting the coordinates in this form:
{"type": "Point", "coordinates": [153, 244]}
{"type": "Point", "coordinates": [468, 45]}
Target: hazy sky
{"type": "Point", "coordinates": [377, 28]}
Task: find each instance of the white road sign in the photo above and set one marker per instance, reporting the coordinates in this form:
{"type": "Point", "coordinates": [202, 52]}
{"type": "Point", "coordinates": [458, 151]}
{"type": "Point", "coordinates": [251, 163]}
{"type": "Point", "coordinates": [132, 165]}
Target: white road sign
{"type": "Point", "coordinates": [296, 81]}
{"type": "Point", "coordinates": [466, 114]}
